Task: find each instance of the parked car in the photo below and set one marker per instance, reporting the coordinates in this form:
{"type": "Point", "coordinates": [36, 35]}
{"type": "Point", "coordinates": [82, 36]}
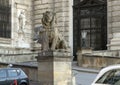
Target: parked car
{"type": "Point", "coordinates": [13, 76]}
{"type": "Point", "coordinates": [108, 76]}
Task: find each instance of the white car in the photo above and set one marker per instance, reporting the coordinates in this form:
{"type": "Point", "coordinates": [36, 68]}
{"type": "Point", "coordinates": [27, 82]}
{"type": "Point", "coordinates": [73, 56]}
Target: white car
{"type": "Point", "coordinates": [108, 76]}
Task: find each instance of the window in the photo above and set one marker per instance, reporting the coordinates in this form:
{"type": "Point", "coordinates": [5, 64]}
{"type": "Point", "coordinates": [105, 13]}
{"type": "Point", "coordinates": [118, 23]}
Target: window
{"type": "Point", "coordinates": [12, 73]}
{"type": "Point", "coordinates": [5, 19]}
{"type": "Point", "coordinates": [2, 74]}
{"type": "Point", "coordinates": [111, 77]}
{"type": "Point", "coordinates": [19, 72]}
{"type": "Point", "coordinates": [89, 24]}
{"type": "Point", "coordinates": [22, 73]}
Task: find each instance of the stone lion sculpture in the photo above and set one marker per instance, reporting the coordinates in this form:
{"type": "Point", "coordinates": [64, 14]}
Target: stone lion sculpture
{"type": "Point", "coordinates": [55, 40]}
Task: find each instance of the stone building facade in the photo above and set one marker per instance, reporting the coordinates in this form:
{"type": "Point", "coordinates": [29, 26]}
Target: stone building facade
{"type": "Point", "coordinates": [25, 16]}
{"type": "Point", "coordinates": [108, 15]}
{"type": "Point", "coordinates": [113, 24]}
{"type": "Point", "coordinates": [21, 40]}
{"type": "Point", "coordinates": [98, 58]}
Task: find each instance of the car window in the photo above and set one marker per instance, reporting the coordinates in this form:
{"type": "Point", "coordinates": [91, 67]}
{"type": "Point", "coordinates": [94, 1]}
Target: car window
{"type": "Point", "coordinates": [12, 73]}
{"type": "Point", "coordinates": [111, 77]}
{"type": "Point", "coordinates": [22, 73]}
{"type": "Point", "coordinates": [18, 71]}
{"type": "Point", "coordinates": [3, 74]}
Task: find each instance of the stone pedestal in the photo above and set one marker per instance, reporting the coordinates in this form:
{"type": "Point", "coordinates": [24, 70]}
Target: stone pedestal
{"type": "Point", "coordinates": [54, 68]}
{"type": "Point", "coordinates": [80, 53]}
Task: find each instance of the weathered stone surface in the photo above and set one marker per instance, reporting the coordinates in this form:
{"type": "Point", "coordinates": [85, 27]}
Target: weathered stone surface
{"type": "Point", "coordinates": [113, 24]}
{"type": "Point", "coordinates": [16, 55]}
{"type": "Point", "coordinates": [116, 19]}
{"type": "Point", "coordinates": [37, 2]}
{"type": "Point", "coordinates": [115, 2]}
{"type": "Point", "coordinates": [99, 62]}
{"type": "Point", "coordinates": [115, 8]}
{"type": "Point", "coordinates": [80, 54]}
{"type": "Point", "coordinates": [54, 69]}
{"type": "Point", "coordinates": [33, 11]}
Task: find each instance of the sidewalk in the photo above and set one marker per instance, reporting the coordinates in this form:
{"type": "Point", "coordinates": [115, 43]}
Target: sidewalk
{"type": "Point", "coordinates": [81, 69]}
{"type": "Point", "coordinates": [34, 83]}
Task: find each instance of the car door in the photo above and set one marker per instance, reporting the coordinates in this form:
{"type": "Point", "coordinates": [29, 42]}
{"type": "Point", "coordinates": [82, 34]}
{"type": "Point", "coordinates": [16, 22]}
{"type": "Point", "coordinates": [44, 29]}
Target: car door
{"type": "Point", "coordinates": [111, 77]}
{"type": "Point", "coordinates": [12, 76]}
{"type": "Point", "coordinates": [3, 76]}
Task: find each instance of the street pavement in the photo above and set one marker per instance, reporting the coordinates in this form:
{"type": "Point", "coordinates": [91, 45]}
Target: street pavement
{"type": "Point", "coordinates": [83, 76]}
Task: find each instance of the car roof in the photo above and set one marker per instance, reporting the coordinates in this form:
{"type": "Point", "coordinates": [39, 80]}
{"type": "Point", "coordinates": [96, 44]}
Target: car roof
{"type": "Point", "coordinates": [104, 70]}
{"type": "Point", "coordinates": [8, 68]}
{"type": "Point", "coordinates": [111, 67]}
{"type": "Point", "coordinates": [108, 68]}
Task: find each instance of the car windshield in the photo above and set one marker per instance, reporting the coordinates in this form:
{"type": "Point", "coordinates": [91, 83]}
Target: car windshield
{"type": "Point", "coordinates": [2, 74]}
{"type": "Point", "coordinates": [12, 73]}
{"type": "Point", "coordinates": [111, 77]}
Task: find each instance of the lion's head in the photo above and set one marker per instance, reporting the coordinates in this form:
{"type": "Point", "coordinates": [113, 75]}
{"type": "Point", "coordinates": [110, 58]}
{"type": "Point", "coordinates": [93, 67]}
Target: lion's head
{"type": "Point", "coordinates": [47, 18]}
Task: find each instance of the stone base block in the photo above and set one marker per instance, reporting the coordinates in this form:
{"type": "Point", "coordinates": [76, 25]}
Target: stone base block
{"type": "Point", "coordinates": [80, 53]}
{"type": "Point", "coordinates": [54, 69]}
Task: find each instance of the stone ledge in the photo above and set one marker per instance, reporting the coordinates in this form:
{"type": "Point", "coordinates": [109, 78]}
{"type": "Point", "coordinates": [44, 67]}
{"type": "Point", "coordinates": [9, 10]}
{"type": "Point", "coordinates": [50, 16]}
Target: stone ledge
{"type": "Point", "coordinates": [54, 56]}
{"type": "Point", "coordinates": [98, 62]}
{"type": "Point", "coordinates": [5, 41]}
{"type": "Point", "coordinates": [54, 53]}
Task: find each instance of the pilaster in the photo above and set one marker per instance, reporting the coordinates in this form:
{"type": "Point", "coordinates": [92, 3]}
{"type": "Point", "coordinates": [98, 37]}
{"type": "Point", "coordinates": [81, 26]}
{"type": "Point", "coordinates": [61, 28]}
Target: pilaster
{"type": "Point", "coordinates": [113, 24]}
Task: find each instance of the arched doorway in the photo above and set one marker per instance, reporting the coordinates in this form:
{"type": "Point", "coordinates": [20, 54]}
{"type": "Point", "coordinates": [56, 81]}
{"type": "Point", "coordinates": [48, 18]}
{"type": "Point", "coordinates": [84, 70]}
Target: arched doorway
{"type": "Point", "coordinates": [89, 24]}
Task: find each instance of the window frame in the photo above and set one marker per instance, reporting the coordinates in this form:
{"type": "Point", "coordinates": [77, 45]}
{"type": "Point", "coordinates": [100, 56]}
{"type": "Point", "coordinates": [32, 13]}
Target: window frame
{"type": "Point", "coordinates": [102, 14]}
{"type": "Point", "coordinates": [5, 19]}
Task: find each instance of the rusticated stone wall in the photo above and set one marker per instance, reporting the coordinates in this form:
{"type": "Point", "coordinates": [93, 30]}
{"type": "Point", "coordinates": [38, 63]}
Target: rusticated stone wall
{"type": "Point", "coordinates": [98, 62]}
{"type": "Point", "coordinates": [113, 24]}
{"type": "Point", "coordinates": [13, 49]}
{"type": "Point", "coordinates": [34, 9]}
{"type": "Point", "coordinates": [97, 59]}
{"type": "Point", "coordinates": [12, 55]}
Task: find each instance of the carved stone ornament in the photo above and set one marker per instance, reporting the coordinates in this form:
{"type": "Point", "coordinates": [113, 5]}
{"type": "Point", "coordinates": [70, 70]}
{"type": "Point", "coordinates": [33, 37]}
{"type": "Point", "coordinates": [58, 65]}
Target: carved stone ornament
{"type": "Point", "coordinates": [21, 20]}
{"type": "Point", "coordinates": [49, 35]}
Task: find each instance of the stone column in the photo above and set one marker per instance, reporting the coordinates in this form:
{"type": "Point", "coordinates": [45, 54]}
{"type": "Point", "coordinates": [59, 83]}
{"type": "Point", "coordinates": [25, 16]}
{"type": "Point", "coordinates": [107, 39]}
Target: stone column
{"type": "Point", "coordinates": [54, 68]}
{"type": "Point", "coordinates": [113, 24]}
